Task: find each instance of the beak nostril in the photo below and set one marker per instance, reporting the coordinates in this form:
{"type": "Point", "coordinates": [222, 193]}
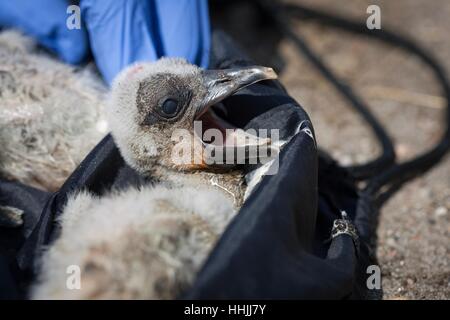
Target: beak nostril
{"type": "Point", "coordinates": [223, 80]}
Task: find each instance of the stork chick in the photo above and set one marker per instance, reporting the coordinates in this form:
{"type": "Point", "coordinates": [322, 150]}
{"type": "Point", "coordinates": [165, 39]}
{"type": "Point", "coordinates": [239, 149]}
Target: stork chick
{"type": "Point", "coordinates": [152, 114]}
{"type": "Point", "coordinates": [149, 243]}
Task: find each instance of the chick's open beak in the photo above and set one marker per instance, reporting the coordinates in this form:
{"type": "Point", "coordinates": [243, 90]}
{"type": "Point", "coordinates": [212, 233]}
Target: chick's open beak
{"type": "Point", "coordinates": [221, 84]}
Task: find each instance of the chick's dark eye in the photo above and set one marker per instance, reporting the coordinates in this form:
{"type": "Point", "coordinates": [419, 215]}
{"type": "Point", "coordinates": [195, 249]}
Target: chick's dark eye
{"type": "Point", "coordinates": [170, 107]}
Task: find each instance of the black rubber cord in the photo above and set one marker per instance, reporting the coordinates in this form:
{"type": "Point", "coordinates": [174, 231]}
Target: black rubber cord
{"type": "Point", "coordinates": [387, 158]}
{"type": "Point", "coordinates": [380, 171]}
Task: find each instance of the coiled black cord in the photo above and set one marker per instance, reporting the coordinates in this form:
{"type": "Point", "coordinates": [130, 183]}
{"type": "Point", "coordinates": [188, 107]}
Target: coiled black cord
{"type": "Point", "coordinates": [382, 171]}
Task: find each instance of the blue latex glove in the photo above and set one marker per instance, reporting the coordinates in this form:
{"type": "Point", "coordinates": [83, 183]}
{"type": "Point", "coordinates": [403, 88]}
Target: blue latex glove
{"type": "Point", "coordinates": [46, 22]}
{"type": "Point", "coordinates": [126, 31]}
{"type": "Point", "coordinates": [120, 32]}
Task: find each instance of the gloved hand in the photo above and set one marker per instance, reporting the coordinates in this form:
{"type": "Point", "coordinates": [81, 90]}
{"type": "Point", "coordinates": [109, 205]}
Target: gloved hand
{"type": "Point", "coordinates": [123, 31]}
{"type": "Point", "coordinates": [46, 22]}
{"type": "Point", "coordinates": [120, 32]}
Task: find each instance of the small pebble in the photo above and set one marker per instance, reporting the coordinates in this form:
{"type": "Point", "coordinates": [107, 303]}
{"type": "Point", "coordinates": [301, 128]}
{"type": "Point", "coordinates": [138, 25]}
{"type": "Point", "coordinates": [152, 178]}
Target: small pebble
{"type": "Point", "coordinates": [440, 211]}
{"type": "Point", "coordinates": [391, 242]}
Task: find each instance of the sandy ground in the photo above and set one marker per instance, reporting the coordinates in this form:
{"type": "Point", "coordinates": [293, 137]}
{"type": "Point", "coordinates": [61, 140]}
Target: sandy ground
{"type": "Point", "coordinates": [413, 248]}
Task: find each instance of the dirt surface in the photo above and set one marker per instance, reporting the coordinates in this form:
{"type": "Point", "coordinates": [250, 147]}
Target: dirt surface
{"type": "Point", "coordinates": [414, 246]}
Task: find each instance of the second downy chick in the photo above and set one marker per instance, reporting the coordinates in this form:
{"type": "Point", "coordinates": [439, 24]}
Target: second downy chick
{"type": "Point", "coordinates": [51, 114]}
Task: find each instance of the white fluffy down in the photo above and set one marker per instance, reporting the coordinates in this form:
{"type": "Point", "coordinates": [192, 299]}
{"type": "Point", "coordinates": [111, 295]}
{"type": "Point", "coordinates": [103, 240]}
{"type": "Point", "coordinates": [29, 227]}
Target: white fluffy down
{"type": "Point", "coordinates": [122, 115]}
{"type": "Point", "coordinates": [50, 113]}
{"type": "Point", "coordinates": [134, 244]}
